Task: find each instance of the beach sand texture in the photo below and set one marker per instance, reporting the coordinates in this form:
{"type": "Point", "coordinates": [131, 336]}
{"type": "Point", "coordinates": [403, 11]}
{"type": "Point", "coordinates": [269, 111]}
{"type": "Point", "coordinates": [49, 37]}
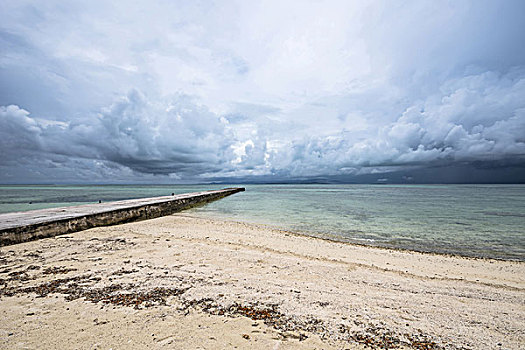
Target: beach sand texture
{"type": "Point", "coordinates": [189, 282]}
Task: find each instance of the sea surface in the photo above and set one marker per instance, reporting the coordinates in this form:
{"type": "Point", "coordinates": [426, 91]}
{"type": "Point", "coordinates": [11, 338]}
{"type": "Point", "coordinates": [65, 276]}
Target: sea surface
{"type": "Point", "coordinates": [468, 220]}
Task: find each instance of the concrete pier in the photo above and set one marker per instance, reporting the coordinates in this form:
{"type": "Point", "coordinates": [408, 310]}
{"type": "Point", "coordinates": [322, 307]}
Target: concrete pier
{"type": "Point", "coordinates": [25, 226]}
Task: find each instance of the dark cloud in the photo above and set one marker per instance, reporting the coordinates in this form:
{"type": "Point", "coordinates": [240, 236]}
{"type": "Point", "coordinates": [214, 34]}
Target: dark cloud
{"type": "Point", "coordinates": [172, 136]}
{"type": "Point", "coordinates": [333, 91]}
{"type": "Point", "coordinates": [479, 117]}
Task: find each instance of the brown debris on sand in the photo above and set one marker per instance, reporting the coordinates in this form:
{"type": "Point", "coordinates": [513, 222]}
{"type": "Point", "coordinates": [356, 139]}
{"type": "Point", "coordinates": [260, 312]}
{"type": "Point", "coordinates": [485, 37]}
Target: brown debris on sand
{"type": "Point", "coordinates": [288, 288]}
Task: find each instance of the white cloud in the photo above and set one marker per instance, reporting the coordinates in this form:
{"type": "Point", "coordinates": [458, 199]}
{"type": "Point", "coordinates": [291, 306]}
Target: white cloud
{"type": "Point", "coordinates": [238, 88]}
{"type": "Point", "coordinates": [143, 135]}
{"type": "Point", "coordinates": [442, 128]}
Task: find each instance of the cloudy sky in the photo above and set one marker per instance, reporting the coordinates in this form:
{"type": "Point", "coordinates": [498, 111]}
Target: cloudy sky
{"type": "Point", "coordinates": [196, 91]}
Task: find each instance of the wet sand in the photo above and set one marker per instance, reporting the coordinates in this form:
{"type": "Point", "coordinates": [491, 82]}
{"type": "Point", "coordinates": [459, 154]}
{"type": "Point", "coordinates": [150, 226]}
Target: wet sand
{"type": "Point", "coordinates": [189, 282]}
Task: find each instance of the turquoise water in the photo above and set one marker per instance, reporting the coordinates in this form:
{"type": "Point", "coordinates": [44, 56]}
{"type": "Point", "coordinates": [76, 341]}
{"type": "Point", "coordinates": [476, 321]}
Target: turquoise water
{"type": "Point", "coordinates": [19, 197]}
{"type": "Point", "coordinates": [470, 220]}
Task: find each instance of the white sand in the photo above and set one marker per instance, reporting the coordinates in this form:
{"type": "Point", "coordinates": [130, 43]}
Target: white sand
{"type": "Point", "coordinates": [319, 294]}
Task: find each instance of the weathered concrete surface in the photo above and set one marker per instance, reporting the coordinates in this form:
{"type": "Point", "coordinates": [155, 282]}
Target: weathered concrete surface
{"type": "Point", "coordinates": [25, 226]}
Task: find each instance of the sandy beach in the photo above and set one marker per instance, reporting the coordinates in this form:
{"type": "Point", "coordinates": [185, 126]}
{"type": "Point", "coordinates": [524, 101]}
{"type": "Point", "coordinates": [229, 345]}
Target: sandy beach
{"type": "Point", "coordinates": [189, 282]}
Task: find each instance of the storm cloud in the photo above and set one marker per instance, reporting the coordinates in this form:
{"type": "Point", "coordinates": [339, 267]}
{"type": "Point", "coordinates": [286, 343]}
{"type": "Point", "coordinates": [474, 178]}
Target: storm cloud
{"type": "Point", "coordinates": [159, 92]}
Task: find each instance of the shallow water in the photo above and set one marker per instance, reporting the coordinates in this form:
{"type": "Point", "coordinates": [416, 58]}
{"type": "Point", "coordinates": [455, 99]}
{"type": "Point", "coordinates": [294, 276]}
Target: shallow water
{"type": "Point", "coordinates": [470, 220]}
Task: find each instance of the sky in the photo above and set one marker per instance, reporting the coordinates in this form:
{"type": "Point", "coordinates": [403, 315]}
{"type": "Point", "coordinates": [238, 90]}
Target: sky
{"type": "Point", "coordinates": [262, 91]}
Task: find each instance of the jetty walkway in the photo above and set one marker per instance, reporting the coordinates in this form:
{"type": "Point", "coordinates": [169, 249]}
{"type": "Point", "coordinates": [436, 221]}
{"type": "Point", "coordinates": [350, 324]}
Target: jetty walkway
{"type": "Point", "coordinates": [24, 226]}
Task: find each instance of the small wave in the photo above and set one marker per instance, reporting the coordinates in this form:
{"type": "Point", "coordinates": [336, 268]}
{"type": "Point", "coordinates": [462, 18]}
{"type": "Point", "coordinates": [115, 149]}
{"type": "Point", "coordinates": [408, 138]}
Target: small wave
{"type": "Point", "coordinates": [357, 239]}
{"type": "Point", "coordinates": [496, 213]}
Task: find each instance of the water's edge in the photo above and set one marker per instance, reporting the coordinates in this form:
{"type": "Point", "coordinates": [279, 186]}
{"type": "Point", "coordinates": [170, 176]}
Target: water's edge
{"type": "Point", "coordinates": [338, 239]}
{"type": "Point", "coordinates": [484, 221]}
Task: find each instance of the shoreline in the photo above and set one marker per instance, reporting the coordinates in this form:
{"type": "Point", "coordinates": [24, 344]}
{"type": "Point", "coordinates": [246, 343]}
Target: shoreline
{"type": "Point", "coordinates": [196, 272]}
{"type": "Point", "coordinates": [328, 237]}
{"type": "Point", "coordinates": [369, 248]}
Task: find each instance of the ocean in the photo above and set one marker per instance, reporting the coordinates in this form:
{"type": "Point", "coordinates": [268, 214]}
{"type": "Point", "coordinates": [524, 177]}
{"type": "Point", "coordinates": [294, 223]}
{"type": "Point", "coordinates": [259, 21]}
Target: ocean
{"type": "Point", "coordinates": [468, 220]}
